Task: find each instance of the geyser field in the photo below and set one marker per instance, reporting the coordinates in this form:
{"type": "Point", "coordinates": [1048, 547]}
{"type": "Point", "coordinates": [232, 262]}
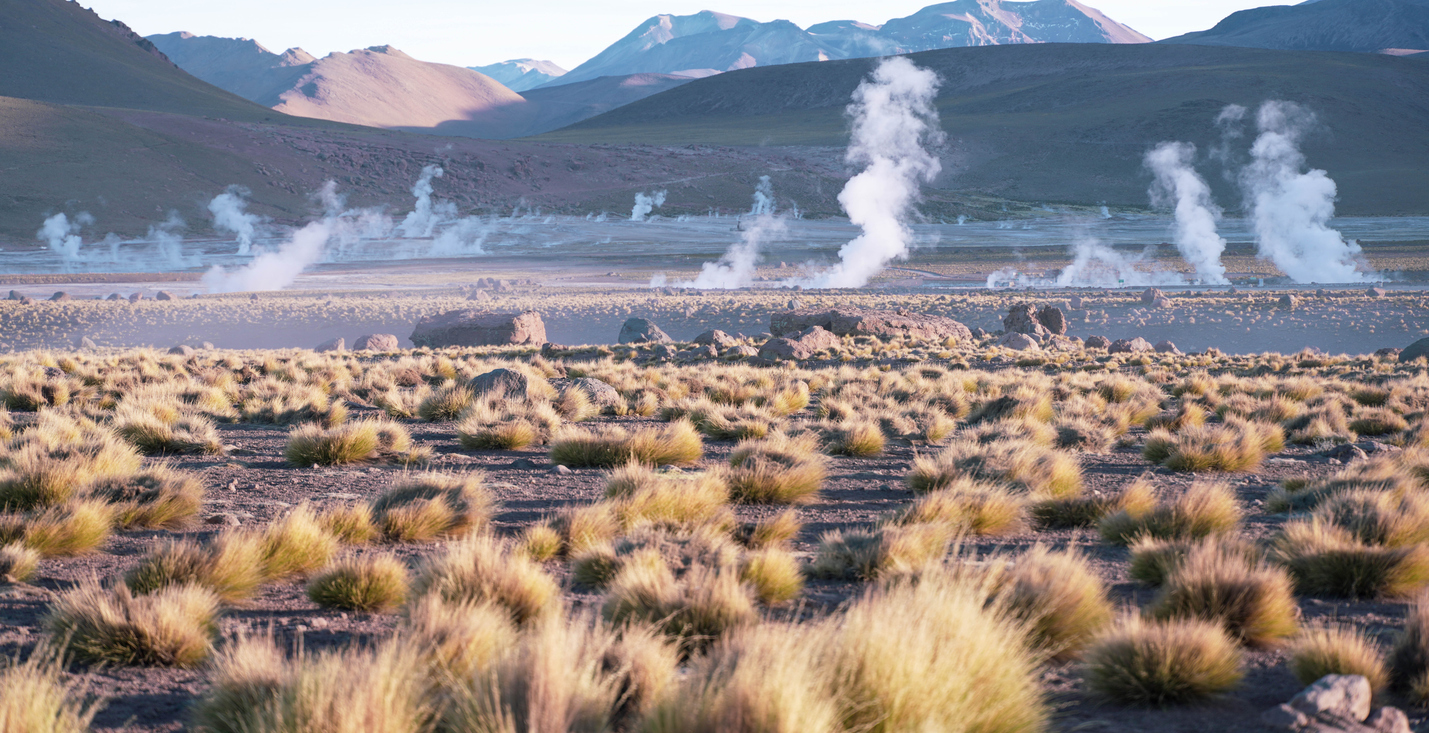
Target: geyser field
{"type": "Point", "coordinates": [1019, 467]}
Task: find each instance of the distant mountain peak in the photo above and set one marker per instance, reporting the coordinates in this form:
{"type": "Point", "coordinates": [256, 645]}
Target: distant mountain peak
{"type": "Point", "coordinates": [521, 75]}
{"type": "Point", "coordinates": [1361, 26]}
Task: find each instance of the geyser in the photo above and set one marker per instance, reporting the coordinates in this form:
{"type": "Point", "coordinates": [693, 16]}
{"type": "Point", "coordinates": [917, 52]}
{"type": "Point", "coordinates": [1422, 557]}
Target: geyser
{"type": "Point", "coordinates": [736, 268]}
{"type": "Point", "coordinates": [1180, 187]}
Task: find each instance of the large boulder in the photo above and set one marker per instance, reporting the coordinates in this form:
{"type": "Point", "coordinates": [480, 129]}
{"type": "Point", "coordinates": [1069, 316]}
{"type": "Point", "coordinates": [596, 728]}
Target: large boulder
{"type": "Point", "coordinates": [642, 331]}
{"type": "Point", "coordinates": [164, 295]}
{"type": "Point", "coordinates": [468, 327]}
{"type": "Point", "coordinates": [1288, 302]}
{"type": "Point", "coordinates": [599, 393]}
{"type": "Point", "coordinates": [806, 344]}
{"type": "Point", "coordinates": [864, 322]}
{"type": "Point", "coordinates": [60, 297]}
{"type": "Point", "coordinates": [1137, 345]}
{"type": "Point", "coordinates": [1018, 342]}
{"type": "Point", "coordinates": [1022, 318]}
{"type": "Point", "coordinates": [377, 342]}
{"type": "Point", "coordinates": [1098, 342]}
{"type": "Point", "coordinates": [1150, 295]}
{"type": "Point", "coordinates": [1415, 350]}
{"type": "Point", "coordinates": [337, 344]}
{"type": "Point", "coordinates": [1053, 319]}
{"type": "Point", "coordinates": [507, 382]}
{"type": "Point", "coordinates": [716, 338]}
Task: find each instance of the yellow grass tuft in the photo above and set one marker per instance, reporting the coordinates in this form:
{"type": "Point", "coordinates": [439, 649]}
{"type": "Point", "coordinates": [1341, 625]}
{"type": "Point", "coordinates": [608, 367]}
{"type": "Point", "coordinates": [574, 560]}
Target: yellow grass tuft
{"type": "Point", "coordinates": [676, 444]}
{"type": "Point", "coordinates": [371, 583]}
{"type": "Point", "coordinates": [173, 627]}
{"type": "Point", "coordinates": [1163, 662]}
{"type": "Point", "coordinates": [483, 569]}
{"type": "Point", "coordinates": [1337, 649]}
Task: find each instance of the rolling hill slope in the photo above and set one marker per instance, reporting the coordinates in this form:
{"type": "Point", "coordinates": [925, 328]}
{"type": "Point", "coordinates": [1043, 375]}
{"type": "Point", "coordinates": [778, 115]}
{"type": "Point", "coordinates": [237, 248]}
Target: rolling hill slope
{"type": "Point", "coordinates": [1365, 26]}
{"type": "Point", "coordinates": [1070, 123]}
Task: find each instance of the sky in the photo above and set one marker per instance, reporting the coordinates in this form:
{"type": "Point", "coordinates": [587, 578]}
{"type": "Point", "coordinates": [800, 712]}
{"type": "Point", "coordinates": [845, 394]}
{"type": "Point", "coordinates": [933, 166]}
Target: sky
{"type": "Point", "coordinates": [478, 32]}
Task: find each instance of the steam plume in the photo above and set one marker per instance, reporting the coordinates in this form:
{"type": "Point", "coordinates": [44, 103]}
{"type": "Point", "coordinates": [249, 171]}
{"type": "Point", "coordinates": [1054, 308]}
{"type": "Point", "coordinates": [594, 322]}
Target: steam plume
{"type": "Point", "coordinates": [230, 215]}
{"type": "Point", "coordinates": [1178, 185]}
{"type": "Point", "coordinates": [1095, 264]}
{"type": "Point", "coordinates": [645, 203]}
{"type": "Point", "coordinates": [736, 268]}
{"type": "Point", "coordinates": [274, 270]}
{"type": "Point", "coordinates": [1291, 208]}
{"type": "Point", "coordinates": [62, 235]}
{"type": "Point", "coordinates": [894, 124]}
{"type": "Point", "coordinates": [428, 214]}
{"type": "Point", "coordinates": [168, 243]}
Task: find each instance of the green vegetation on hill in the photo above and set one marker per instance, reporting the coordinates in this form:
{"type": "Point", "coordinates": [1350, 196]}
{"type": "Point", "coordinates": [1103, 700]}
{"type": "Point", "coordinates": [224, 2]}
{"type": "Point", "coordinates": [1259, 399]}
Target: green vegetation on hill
{"type": "Point", "coordinates": [1070, 123]}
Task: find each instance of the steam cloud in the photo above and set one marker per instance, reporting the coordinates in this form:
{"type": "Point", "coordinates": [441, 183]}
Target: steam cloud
{"type": "Point", "coordinates": [230, 215]}
{"type": "Point", "coordinates": [1095, 264]}
{"type": "Point", "coordinates": [428, 214]}
{"type": "Point", "coordinates": [736, 268]}
{"type": "Point", "coordinates": [1291, 208]}
{"type": "Point", "coordinates": [62, 235]}
{"type": "Point", "coordinates": [894, 125]}
{"type": "Point", "coordinates": [278, 269]}
{"type": "Point", "coordinates": [1178, 185]}
{"type": "Point", "coordinates": [645, 203]}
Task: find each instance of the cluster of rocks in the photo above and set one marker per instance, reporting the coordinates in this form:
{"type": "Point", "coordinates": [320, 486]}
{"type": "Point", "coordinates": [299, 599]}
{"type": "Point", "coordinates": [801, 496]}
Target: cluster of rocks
{"type": "Point", "coordinates": [384, 342]}
{"type": "Point", "coordinates": [885, 324]}
{"type": "Point", "coordinates": [1336, 703]}
{"type": "Point", "coordinates": [1026, 327]}
{"type": "Point", "coordinates": [469, 327]}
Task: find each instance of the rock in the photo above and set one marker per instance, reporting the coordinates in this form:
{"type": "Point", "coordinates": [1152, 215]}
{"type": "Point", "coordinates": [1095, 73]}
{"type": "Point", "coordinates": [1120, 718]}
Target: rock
{"type": "Point", "coordinates": [337, 344]}
{"type": "Point", "coordinates": [480, 296]}
{"type": "Point", "coordinates": [716, 338]}
{"type": "Point", "coordinates": [742, 351]}
{"type": "Point", "coordinates": [1076, 303]}
{"type": "Point", "coordinates": [978, 333]}
{"type": "Point", "coordinates": [1019, 342]}
{"type": "Point", "coordinates": [599, 393]}
{"type": "Point", "coordinates": [1345, 696]}
{"type": "Point", "coordinates": [664, 351]}
{"type": "Point", "coordinates": [87, 343]}
{"type": "Point", "coordinates": [523, 463]}
{"type": "Point", "coordinates": [806, 344]}
{"type": "Point", "coordinates": [501, 381]}
{"type": "Point", "coordinates": [1053, 319]}
{"type": "Point", "coordinates": [1167, 347]}
{"type": "Point", "coordinates": [1129, 346]}
{"type": "Point", "coordinates": [1374, 447]}
{"type": "Point", "coordinates": [698, 352]}
{"type": "Point", "coordinates": [1098, 342]}
{"type": "Point", "coordinates": [182, 350]}
{"type": "Point", "coordinates": [226, 519]}
{"type": "Point", "coordinates": [1288, 302]}
{"type": "Point", "coordinates": [1376, 292]}
{"type": "Point", "coordinates": [795, 304]}
{"type": "Point", "coordinates": [14, 295]}
{"type": "Point", "coordinates": [207, 345]}
{"type": "Point", "coordinates": [26, 300]}
{"type": "Point", "coordinates": [1161, 303]}
{"type": "Point", "coordinates": [60, 297]}
{"type": "Point", "coordinates": [865, 322]}
{"type": "Point", "coordinates": [253, 297]}
{"type": "Point", "coordinates": [561, 471]}
{"type": "Point", "coordinates": [1415, 350]}
{"type": "Point", "coordinates": [136, 297]}
{"type": "Point", "coordinates": [1151, 295]}
{"type": "Point", "coordinates": [1389, 720]}
{"type": "Point", "coordinates": [164, 295]}
{"type": "Point", "coordinates": [1022, 318]}
{"type": "Point", "coordinates": [377, 342]}
{"type": "Point", "coordinates": [1284, 716]}
{"type": "Point", "coordinates": [480, 328]}
{"type": "Point", "coordinates": [642, 331]}
{"type": "Point", "coordinates": [1387, 351]}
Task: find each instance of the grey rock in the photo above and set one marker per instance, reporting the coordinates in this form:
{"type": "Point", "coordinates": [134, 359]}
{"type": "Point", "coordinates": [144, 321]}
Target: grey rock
{"type": "Point", "coordinates": [377, 342]}
{"type": "Point", "coordinates": [716, 338]}
{"type": "Point", "coordinates": [1076, 303]}
{"type": "Point", "coordinates": [1098, 342]}
{"type": "Point", "coordinates": [1151, 295]}
{"type": "Point", "coordinates": [599, 393]}
{"type": "Point", "coordinates": [1137, 345]}
{"type": "Point", "coordinates": [1284, 716]}
{"type": "Point", "coordinates": [26, 300]}
{"type": "Point", "coordinates": [867, 322]}
{"type": "Point", "coordinates": [642, 331]}
{"type": "Point", "coordinates": [1167, 347]}
{"type": "Point", "coordinates": [507, 382]}
{"type": "Point", "coordinates": [480, 296]}
{"type": "Point", "coordinates": [182, 350]}
{"type": "Point", "coordinates": [1415, 350]}
{"type": "Point", "coordinates": [1161, 303]}
{"type": "Point", "coordinates": [60, 297]}
{"type": "Point", "coordinates": [1376, 292]}
{"type": "Point", "coordinates": [523, 463]}
{"type": "Point", "coordinates": [806, 344]}
{"type": "Point", "coordinates": [978, 333]}
{"type": "Point", "coordinates": [1288, 302]}
{"type": "Point", "coordinates": [1388, 720]}
{"type": "Point", "coordinates": [1019, 342]}
{"type": "Point", "coordinates": [136, 297]}
{"type": "Point", "coordinates": [337, 344]}
{"type": "Point", "coordinates": [1387, 351]}
{"type": "Point", "coordinates": [207, 345]}
{"type": "Point", "coordinates": [226, 519]}
{"type": "Point", "coordinates": [468, 327]}
{"type": "Point", "coordinates": [1022, 318]}
{"type": "Point", "coordinates": [164, 295]}
{"type": "Point", "coordinates": [561, 471]}
{"type": "Point", "coordinates": [1346, 696]}
{"type": "Point", "coordinates": [742, 351]}
{"type": "Point", "coordinates": [1053, 319]}
{"type": "Point", "coordinates": [14, 295]}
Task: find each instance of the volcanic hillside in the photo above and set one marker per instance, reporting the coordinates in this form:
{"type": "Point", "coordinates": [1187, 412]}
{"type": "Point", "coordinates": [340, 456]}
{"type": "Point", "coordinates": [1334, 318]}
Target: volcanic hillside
{"type": "Point", "coordinates": [1325, 25]}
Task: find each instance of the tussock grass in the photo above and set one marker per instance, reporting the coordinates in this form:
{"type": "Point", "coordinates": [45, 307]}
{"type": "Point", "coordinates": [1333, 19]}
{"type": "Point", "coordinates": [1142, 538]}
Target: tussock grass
{"type": "Point", "coordinates": [1409, 658]}
{"type": "Point", "coordinates": [432, 506]}
{"type": "Point", "coordinates": [1205, 509]}
{"type": "Point", "coordinates": [1378, 518]}
{"type": "Point", "coordinates": [351, 525]}
{"type": "Point", "coordinates": [156, 498]}
{"type": "Point", "coordinates": [297, 544]}
{"type": "Point", "coordinates": [173, 627]}
{"type": "Point", "coordinates": [854, 438]}
{"type": "Point", "coordinates": [774, 575]}
{"type": "Point", "coordinates": [154, 435]}
{"type": "Point", "coordinates": [257, 690]}
{"type": "Point", "coordinates": [358, 442]}
{"type": "Point", "coordinates": [883, 552]}
{"type": "Point", "coordinates": [456, 639]}
{"type": "Point", "coordinates": [967, 506]}
{"type": "Point", "coordinates": [39, 699]}
{"type": "Point", "coordinates": [1088, 511]}
{"type": "Point", "coordinates": [1154, 560]}
{"type": "Point", "coordinates": [1326, 560]}
{"type": "Point", "coordinates": [230, 565]}
{"type": "Point", "coordinates": [1337, 649]}
{"type": "Point", "coordinates": [483, 569]}
{"type": "Point", "coordinates": [17, 563]}
{"type": "Point", "coordinates": [1254, 603]}
{"type": "Point", "coordinates": [696, 607]}
{"type": "Point", "coordinates": [774, 532]}
{"type": "Point", "coordinates": [584, 528]}
{"type": "Point", "coordinates": [1163, 662]}
{"type": "Point", "coordinates": [640, 497]}
{"type": "Point", "coordinates": [370, 583]}
{"type": "Point", "coordinates": [1025, 467]}
{"type": "Point", "coordinates": [1058, 596]}
{"type": "Point", "coordinates": [541, 542]}
{"type": "Point", "coordinates": [36, 475]}
{"type": "Point", "coordinates": [676, 444]}
{"type": "Point", "coordinates": [445, 402]}
{"type": "Point", "coordinates": [279, 403]}
{"type": "Point", "coordinates": [1233, 446]}
{"type": "Point", "coordinates": [1375, 422]}
{"type": "Point", "coordinates": [76, 528]}
{"type": "Point", "coordinates": [777, 470]}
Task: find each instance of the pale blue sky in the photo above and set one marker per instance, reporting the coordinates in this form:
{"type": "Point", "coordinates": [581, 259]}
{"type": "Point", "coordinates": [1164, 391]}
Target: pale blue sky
{"type": "Point", "coordinates": [474, 32]}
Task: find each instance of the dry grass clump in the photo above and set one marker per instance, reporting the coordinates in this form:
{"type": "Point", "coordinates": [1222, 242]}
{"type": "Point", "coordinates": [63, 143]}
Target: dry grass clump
{"type": "Point", "coordinates": [53, 465]}
{"type": "Point", "coordinates": [1154, 560]}
{"type": "Point", "coordinates": [457, 639]}
{"type": "Point", "coordinates": [502, 424]}
{"type": "Point", "coordinates": [1024, 404]}
{"type": "Point", "coordinates": [1397, 475]}
{"type": "Point", "coordinates": [1026, 467]}
{"type": "Point", "coordinates": [483, 569]}
{"type": "Point", "coordinates": [1379, 421]}
{"type": "Point", "coordinates": [777, 470]}
{"type": "Point", "coordinates": [313, 445]}
{"type": "Point", "coordinates": [676, 444]}
{"type": "Point", "coordinates": [642, 497]}
{"type": "Point", "coordinates": [171, 628]}
{"type": "Point", "coordinates": [1253, 603]}
{"type": "Point", "coordinates": [431, 506]}
{"type": "Point", "coordinates": [774, 574]}
{"type": "Point", "coordinates": [17, 563]}
{"type": "Point", "coordinates": [1409, 659]}
{"type": "Point", "coordinates": [1326, 560]}
{"type": "Point", "coordinates": [257, 690]}
{"type": "Point", "coordinates": [1081, 434]}
{"type": "Point", "coordinates": [38, 699]}
{"type": "Point", "coordinates": [371, 583]}
{"type": "Point", "coordinates": [230, 565]}
{"type": "Point", "coordinates": [1159, 663]}
{"type": "Point", "coordinates": [968, 506]}
{"type": "Point", "coordinates": [446, 402]}
{"type": "Point", "coordinates": [76, 528]}
{"type": "Point", "coordinates": [775, 532]}
{"type": "Point", "coordinates": [157, 429]}
{"type": "Point", "coordinates": [297, 544]}
{"type": "Point", "coordinates": [351, 524]}
{"type": "Point", "coordinates": [882, 552]}
{"type": "Point", "coordinates": [1205, 509]}
{"type": "Point", "coordinates": [1378, 518]}
{"type": "Point", "coordinates": [1337, 649]}
{"type": "Point", "coordinates": [1087, 511]}
{"type": "Point", "coordinates": [1233, 446]}
{"type": "Point", "coordinates": [694, 607]}
{"type": "Point", "coordinates": [157, 497]}
{"type": "Point", "coordinates": [1058, 596]}
{"type": "Point", "coordinates": [854, 438]}
{"type": "Point", "coordinates": [283, 403]}
{"type": "Point", "coordinates": [679, 550]}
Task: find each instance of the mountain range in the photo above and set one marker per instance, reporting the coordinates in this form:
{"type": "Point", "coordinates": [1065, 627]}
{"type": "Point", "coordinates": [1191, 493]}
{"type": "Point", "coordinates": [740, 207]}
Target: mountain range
{"type": "Point", "coordinates": [521, 74]}
{"type": "Point", "coordinates": [1364, 26]}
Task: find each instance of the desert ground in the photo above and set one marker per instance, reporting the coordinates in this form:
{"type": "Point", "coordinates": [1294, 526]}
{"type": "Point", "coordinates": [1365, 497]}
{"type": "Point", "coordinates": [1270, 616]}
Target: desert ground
{"type": "Point", "coordinates": [148, 442]}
